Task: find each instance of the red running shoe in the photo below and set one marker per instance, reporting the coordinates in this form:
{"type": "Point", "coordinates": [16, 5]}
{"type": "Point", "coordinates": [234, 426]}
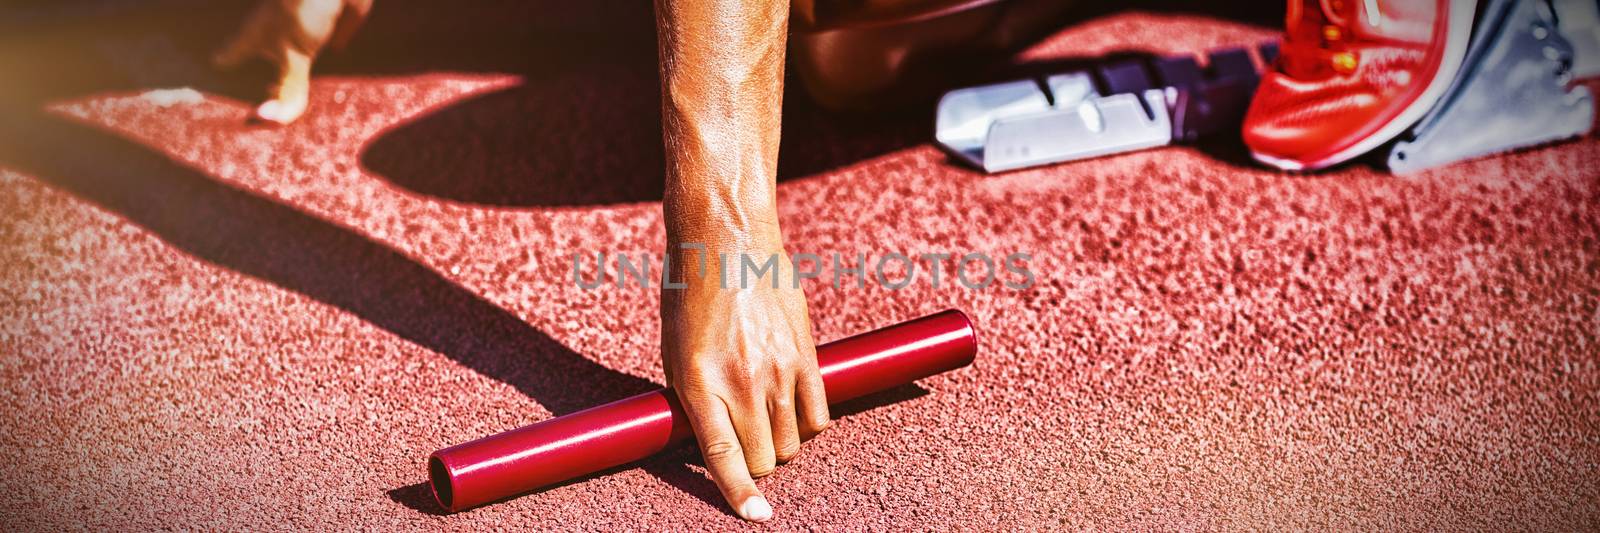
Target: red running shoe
{"type": "Point", "coordinates": [1352, 75]}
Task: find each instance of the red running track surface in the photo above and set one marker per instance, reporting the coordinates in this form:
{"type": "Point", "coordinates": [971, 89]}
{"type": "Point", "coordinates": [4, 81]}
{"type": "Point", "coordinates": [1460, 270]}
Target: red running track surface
{"type": "Point", "coordinates": [205, 324]}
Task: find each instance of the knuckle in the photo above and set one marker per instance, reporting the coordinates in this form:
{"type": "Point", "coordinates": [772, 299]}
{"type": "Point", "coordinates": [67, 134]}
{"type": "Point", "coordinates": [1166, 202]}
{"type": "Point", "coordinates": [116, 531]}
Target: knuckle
{"type": "Point", "coordinates": [819, 418]}
{"type": "Point", "coordinates": [788, 363]}
{"type": "Point", "coordinates": [733, 373]}
{"type": "Point", "coordinates": [762, 469]}
{"type": "Point", "coordinates": [817, 422]}
{"type": "Point", "coordinates": [788, 451]}
{"type": "Point", "coordinates": [720, 450]}
{"type": "Point", "coordinates": [749, 393]}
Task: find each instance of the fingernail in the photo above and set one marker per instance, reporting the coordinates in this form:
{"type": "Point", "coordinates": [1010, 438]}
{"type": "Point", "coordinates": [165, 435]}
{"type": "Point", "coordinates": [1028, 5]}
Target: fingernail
{"type": "Point", "coordinates": [271, 111]}
{"type": "Point", "coordinates": [756, 509]}
{"type": "Point", "coordinates": [277, 111]}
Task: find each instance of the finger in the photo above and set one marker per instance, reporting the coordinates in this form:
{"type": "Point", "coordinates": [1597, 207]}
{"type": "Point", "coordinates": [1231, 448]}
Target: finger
{"type": "Point", "coordinates": [719, 444]}
{"type": "Point", "coordinates": [292, 91]}
{"type": "Point", "coordinates": [752, 422]}
{"type": "Point", "coordinates": [811, 402]}
{"type": "Point", "coordinates": [811, 396]}
{"type": "Point", "coordinates": [785, 428]}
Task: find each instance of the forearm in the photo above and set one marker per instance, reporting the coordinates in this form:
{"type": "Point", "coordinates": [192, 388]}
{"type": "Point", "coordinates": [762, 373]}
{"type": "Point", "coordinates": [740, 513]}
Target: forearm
{"type": "Point", "coordinates": [722, 90]}
{"type": "Point", "coordinates": [742, 362]}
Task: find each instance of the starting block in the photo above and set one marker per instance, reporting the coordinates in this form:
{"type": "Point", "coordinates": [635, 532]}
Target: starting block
{"type": "Point", "coordinates": [1515, 90]}
{"type": "Point", "coordinates": [1512, 92]}
{"type": "Point", "coordinates": [1118, 107]}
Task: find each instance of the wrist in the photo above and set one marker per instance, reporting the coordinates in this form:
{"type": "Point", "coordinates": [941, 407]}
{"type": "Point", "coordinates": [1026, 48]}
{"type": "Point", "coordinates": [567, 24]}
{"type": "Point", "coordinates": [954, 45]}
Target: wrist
{"type": "Point", "coordinates": [741, 229]}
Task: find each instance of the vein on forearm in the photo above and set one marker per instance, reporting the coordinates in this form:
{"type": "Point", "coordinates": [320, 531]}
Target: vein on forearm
{"type": "Point", "coordinates": [722, 90]}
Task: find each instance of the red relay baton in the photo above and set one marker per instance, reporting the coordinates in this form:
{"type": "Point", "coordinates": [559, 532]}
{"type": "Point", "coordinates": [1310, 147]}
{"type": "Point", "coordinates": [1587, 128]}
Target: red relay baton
{"type": "Point", "coordinates": [523, 459]}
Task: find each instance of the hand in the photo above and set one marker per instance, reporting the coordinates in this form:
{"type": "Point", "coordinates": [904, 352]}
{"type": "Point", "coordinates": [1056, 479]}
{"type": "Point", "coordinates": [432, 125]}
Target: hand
{"type": "Point", "coordinates": [744, 366]}
{"type": "Point", "coordinates": [289, 34]}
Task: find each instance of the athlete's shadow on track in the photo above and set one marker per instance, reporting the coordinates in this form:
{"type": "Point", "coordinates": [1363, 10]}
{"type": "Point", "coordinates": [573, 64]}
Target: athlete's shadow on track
{"type": "Point", "coordinates": [557, 160]}
{"type": "Point", "coordinates": [266, 239]}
